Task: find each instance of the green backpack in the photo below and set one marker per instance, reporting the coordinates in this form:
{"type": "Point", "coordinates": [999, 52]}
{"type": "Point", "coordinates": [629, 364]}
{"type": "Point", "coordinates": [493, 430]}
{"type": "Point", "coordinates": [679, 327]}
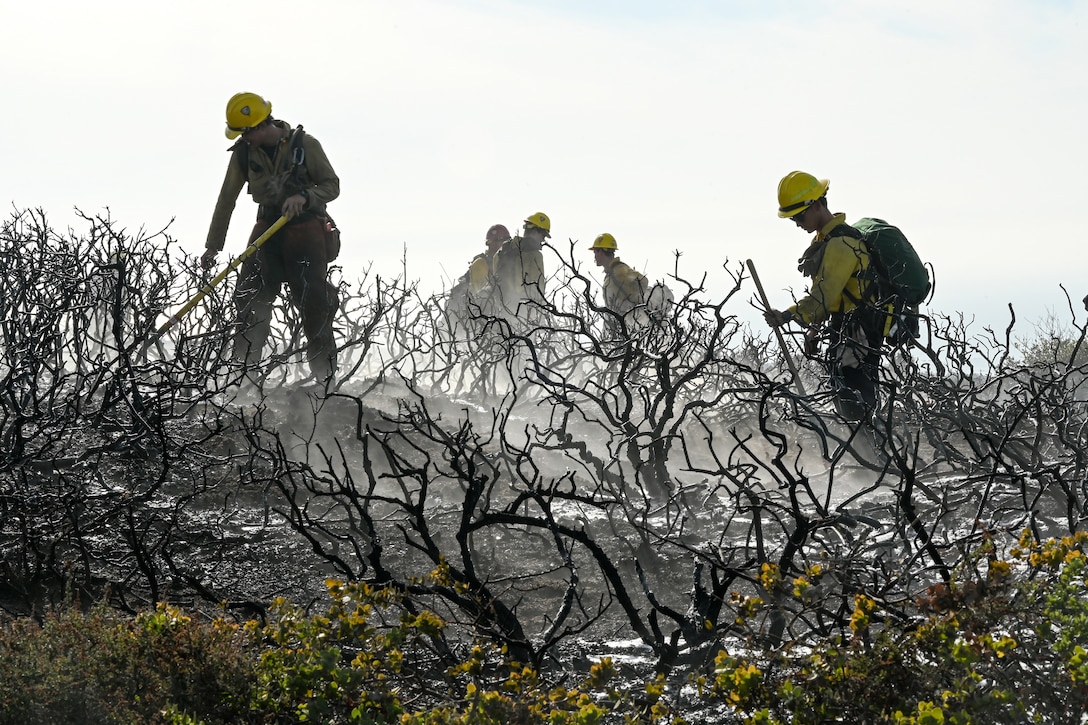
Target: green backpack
{"type": "Point", "coordinates": [899, 271]}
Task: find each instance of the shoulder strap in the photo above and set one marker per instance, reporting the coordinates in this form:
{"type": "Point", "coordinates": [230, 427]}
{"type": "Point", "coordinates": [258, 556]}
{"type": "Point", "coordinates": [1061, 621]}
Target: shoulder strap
{"type": "Point", "coordinates": [298, 153]}
{"type": "Point", "coordinates": [845, 230]}
{"type": "Point", "coordinates": [240, 150]}
{"type": "Point", "coordinates": [870, 293]}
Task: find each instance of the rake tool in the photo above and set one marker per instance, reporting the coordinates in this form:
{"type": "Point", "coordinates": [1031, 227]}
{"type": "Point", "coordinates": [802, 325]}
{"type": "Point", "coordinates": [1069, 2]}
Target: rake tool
{"type": "Point", "coordinates": [777, 331]}
{"type": "Point", "coordinates": [207, 289]}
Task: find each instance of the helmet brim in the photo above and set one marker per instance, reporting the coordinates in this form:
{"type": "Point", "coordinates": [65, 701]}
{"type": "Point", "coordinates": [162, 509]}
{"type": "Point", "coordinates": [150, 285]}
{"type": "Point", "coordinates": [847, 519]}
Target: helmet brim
{"type": "Point", "coordinates": [794, 212]}
{"type": "Point", "coordinates": [530, 222]}
{"type": "Point", "coordinates": [821, 191]}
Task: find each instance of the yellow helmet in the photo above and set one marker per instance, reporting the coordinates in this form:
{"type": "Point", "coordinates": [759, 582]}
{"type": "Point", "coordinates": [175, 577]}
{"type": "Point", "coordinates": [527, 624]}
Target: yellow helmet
{"type": "Point", "coordinates": [244, 111]}
{"type": "Point", "coordinates": [605, 241]}
{"type": "Point", "coordinates": [797, 191]}
{"type": "Point", "coordinates": [540, 219]}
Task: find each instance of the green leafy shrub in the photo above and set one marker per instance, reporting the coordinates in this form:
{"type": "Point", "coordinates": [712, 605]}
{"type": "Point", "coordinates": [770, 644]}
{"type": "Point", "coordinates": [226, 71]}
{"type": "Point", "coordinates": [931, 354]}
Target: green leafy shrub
{"type": "Point", "coordinates": [356, 664]}
{"type": "Point", "coordinates": [363, 661]}
{"type": "Point", "coordinates": [1005, 642]}
{"type": "Point", "coordinates": [101, 667]}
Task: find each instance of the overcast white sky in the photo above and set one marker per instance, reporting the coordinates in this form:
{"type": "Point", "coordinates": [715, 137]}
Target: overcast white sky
{"type": "Point", "coordinates": [667, 123]}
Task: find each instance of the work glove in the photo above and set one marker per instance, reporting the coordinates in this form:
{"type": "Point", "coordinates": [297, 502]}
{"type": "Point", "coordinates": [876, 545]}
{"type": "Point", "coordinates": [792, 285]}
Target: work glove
{"type": "Point", "coordinates": [1086, 302]}
{"type": "Point", "coordinates": [293, 206]}
{"type": "Point", "coordinates": [810, 261]}
{"type": "Point", "coordinates": [777, 318]}
{"type": "Point", "coordinates": [207, 260]}
{"type": "Point", "coordinates": [812, 342]}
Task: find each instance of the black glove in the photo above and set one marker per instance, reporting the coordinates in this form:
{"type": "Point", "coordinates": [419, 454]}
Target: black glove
{"type": "Point", "coordinates": [776, 318]}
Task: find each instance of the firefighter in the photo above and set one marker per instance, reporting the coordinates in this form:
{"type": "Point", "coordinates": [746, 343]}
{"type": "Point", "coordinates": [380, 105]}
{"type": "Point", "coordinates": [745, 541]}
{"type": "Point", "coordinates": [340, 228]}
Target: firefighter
{"type": "Point", "coordinates": [288, 174]}
{"type": "Point", "coordinates": [624, 288]}
{"type": "Point", "coordinates": [474, 295]}
{"type": "Point", "coordinates": [481, 271]}
{"type": "Point", "coordinates": [519, 264]}
{"type": "Point", "coordinates": [835, 261]}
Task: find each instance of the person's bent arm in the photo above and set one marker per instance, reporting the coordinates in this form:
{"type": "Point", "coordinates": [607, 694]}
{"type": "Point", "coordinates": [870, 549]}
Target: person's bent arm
{"type": "Point", "coordinates": [840, 263]}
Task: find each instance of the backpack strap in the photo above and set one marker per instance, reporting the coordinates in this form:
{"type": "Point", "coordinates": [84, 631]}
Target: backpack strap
{"type": "Point", "coordinates": [845, 230]}
{"type": "Point", "coordinates": [298, 153]}
{"type": "Point", "coordinates": [240, 150]}
{"type": "Point", "coordinates": [298, 172]}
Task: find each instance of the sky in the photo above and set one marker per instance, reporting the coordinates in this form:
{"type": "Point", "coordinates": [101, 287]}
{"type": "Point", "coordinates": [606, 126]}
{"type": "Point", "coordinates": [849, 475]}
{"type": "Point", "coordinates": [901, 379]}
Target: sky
{"type": "Point", "coordinates": [665, 123]}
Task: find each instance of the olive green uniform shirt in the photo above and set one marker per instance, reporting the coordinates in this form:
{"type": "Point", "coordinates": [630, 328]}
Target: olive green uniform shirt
{"type": "Point", "coordinates": [269, 178]}
{"type": "Point", "coordinates": [624, 288]}
{"type": "Point", "coordinates": [519, 272]}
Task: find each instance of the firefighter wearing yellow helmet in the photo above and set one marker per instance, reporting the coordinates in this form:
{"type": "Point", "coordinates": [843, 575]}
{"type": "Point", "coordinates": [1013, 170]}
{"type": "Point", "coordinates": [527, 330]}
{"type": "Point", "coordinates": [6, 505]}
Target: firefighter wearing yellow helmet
{"type": "Point", "coordinates": [624, 288]}
{"type": "Point", "coordinates": [246, 111]}
{"type": "Point", "coordinates": [836, 261]}
{"type": "Point", "coordinates": [519, 265]}
{"type": "Point", "coordinates": [288, 174]}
